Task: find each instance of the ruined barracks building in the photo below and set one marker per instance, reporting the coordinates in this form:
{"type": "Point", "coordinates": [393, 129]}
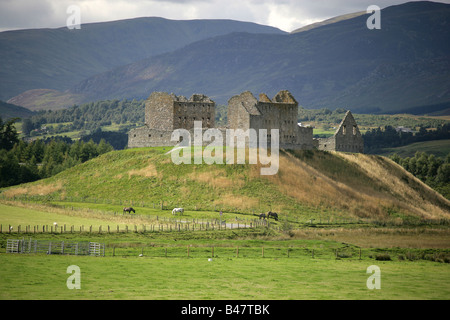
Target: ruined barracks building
{"type": "Point", "coordinates": [347, 137]}
{"type": "Point", "coordinates": [166, 112]}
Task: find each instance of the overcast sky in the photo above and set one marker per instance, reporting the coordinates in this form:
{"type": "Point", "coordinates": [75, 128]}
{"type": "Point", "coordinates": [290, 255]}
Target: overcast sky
{"type": "Point", "coordinates": [284, 14]}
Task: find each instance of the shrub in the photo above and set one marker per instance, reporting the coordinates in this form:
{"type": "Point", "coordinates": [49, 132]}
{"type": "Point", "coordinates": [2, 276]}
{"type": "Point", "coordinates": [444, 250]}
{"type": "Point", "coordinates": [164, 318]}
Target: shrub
{"type": "Point", "coordinates": [383, 257]}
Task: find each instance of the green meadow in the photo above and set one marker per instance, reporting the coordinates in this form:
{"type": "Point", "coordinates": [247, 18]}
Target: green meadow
{"type": "Point", "coordinates": [44, 277]}
{"type": "Point", "coordinates": [231, 264]}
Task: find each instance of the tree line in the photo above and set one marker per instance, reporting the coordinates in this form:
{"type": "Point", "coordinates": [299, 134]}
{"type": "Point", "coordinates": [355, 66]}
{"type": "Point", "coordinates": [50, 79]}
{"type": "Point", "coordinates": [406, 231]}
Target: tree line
{"type": "Point", "coordinates": [377, 139]}
{"type": "Point", "coordinates": [334, 117]}
{"type": "Point", "coordinates": [89, 116]}
{"type": "Point", "coordinates": [432, 170]}
{"type": "Point", "coordinates": [22, 161]}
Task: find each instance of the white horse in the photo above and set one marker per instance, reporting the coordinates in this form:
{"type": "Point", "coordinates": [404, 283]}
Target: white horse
{"type": "Point", "coordinates": [176, 210]}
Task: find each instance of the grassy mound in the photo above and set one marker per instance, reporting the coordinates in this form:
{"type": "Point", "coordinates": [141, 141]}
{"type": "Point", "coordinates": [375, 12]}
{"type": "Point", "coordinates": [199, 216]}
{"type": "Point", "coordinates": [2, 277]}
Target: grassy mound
{"type": "Point", "coordinates": [309, 184]}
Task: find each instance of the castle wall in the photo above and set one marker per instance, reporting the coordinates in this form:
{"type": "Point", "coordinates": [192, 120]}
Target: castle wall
{"type": "Point", "coordinates": [347, 137]}
{"type": "Point", "coordinates": [159, 111]}
{"type": "Point", "coordinates": [186, 112]}
{"type": "Point", "coordinates": [240, 108]}
{"type": "Point", "coordinates": [327, 144]}
{"type": "Point", "coordinates": [166, 112]}
{"type": "Point", "coordinates": [147, 137]}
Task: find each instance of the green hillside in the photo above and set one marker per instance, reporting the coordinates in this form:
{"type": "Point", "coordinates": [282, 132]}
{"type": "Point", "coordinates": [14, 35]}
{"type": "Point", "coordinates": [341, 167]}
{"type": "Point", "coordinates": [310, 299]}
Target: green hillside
{"type": "Point", "coordinates": [8, 111]}
{"type": "Point", "coordinates": [309, 184]}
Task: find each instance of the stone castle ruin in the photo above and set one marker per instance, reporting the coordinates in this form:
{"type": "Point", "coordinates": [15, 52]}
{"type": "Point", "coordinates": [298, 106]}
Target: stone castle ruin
{"type": "Point", "coordinates": [166, 112]}
{"type": "Point", "coordinates": [347, 137]}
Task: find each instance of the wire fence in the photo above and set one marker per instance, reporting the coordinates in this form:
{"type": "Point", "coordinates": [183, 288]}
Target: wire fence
{"type": "Point", "coordinates": [163, 225]}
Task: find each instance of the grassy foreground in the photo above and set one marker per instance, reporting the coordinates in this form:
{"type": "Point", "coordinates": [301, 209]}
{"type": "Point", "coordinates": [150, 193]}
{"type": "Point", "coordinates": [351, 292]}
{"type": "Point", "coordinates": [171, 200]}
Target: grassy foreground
{"type": "Point", "coordinates": [298, 265]}
{"type": "Point", "coordinates": [44, 277]}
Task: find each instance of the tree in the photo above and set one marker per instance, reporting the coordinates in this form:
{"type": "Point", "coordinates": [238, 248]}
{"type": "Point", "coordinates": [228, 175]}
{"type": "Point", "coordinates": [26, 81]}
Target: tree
{"type": "Point", "coordinates": [8, 134]}
{"type": "Point", "coordinates": [27, 126]}
{"type": "Point", "coordinates": [443, 173]}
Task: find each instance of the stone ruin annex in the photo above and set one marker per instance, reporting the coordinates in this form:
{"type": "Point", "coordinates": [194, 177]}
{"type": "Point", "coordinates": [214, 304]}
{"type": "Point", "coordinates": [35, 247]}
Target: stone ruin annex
{"type": "Point", "coordinates": [166, 112]}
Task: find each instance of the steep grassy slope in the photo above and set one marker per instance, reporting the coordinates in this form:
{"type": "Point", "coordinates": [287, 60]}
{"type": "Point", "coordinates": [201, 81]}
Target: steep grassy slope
{"type": "Point", "coordinates": [309, 184]}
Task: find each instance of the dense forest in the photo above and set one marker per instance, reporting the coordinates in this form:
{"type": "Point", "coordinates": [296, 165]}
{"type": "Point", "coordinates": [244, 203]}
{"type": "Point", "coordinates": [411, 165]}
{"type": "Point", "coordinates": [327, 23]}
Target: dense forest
{"type": "Point", "coordinates": [432, 170]}
{"type": "Point", "coordinates": [22, 161]}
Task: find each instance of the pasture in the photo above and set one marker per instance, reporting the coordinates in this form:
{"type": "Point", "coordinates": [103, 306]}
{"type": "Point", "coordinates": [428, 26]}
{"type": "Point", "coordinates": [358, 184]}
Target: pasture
{"type": "Point", "coordinates": [44, 277]}
{"type": "Point", "coordinates": [310, 262]}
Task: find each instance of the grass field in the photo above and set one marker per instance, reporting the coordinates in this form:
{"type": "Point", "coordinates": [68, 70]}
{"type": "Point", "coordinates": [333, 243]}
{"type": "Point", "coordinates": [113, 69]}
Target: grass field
{"type": "Point", "coordinates": [44, 277]}
{"type": "Point", "coordinates": [440, 148]}
{"type": "Point", "coordinates": [367, 211]}
{"type": "Point", "coordinates": [269, 265]}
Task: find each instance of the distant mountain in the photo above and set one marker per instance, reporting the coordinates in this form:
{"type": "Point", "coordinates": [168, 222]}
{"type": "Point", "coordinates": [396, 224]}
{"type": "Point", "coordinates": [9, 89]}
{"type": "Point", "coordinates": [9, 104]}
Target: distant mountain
{"type": "Point", "coordinates": [59, 58]}
{"type": "Point", "coordinates": [8, 111]}
{"type": "Point", "coordinates": [404, 65]}
{"type": "Point", "coordinates": [329, 21]}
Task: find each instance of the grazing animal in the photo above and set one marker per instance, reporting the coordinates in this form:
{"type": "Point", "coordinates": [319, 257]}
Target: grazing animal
{"type": "Point", "coordinates": [272, 214]}
{"type": "Point", "coordinates": [176, 210]}
{"type": "Point", "coordinates": [129, 209]}
{"type": "Point", "coordinates": [262, 216]}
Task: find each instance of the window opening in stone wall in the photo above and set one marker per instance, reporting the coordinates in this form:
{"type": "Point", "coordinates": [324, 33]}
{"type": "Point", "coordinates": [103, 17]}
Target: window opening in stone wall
{"type": "Point", "coordinates": [344, 130]}
{"type": "Point", "coordinates": [354, 130]}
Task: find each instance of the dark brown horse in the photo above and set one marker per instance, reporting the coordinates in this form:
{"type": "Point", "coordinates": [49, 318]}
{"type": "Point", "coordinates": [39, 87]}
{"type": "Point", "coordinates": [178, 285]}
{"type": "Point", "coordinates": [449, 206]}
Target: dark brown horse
{"type": "Point", "coordinates": [129, 209]}
{"type": "Point", "coordinates": [272, 214]}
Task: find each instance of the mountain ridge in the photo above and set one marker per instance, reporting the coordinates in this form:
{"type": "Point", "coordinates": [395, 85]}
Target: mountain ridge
{"type": "Point", "coordinates": [58, 58]}
{"type": "Point", "coordinates": [402, 66]}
